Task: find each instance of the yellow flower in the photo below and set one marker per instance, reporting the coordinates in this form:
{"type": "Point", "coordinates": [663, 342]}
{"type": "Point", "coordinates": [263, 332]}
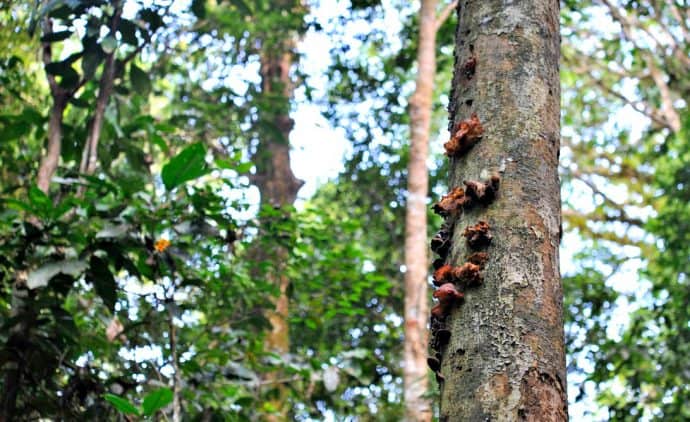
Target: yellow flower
{"type": "Point", "coordinates": [161, 245]}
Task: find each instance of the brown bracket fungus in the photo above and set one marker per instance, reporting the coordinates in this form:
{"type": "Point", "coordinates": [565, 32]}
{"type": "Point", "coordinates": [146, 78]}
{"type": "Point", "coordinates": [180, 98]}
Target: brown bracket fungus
{"type": "Point", "coordinates": [482, 192]}
{"type": "Point", "coordinates": [447, 296]}
{"type": "Point", "coordinates": [467, 133]}
{"type": "Point", "coordinates": [479, 259]}
{"type": "Point", "coordinates": [452, 203]}
{"type": "Point", "coordinates": [440, 243]}
{"type": "Point", "coordinates": [478, 236]}
{"type": "Point", "coordinates": [443, 275]}
{"type": "Point", "coordinates": [468, 274]}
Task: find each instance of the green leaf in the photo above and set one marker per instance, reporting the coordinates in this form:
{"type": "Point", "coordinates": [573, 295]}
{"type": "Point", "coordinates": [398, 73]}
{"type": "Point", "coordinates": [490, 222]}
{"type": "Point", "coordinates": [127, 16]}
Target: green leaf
{"type": "Point", "coordinates": [121, 404]}
{"type": "Point", "coordinates": [188, 165]}
{"type": "Point", "coordinates": [56, 36]}
{"type": "Point", "coordinates": [199, 8]}
{"type": "Point", "coordinates": [93, 56]}
{"type": "Point", "coordinates": [40, 201]}
{"type": "Point", "coordinates": [103, 281]}
{"type": "Point", "coordinates": [139, 79]}
{"type": "Point", "coordinates": [109, 44]}
{"type": "Point", "coordinates": [128, 30]}
{"type": "Point", "coordinates": [41, 276]}
{"type": "Point", "coordinates": [242, 6]}
{"type": "Point", "coordinates": [156, 400]}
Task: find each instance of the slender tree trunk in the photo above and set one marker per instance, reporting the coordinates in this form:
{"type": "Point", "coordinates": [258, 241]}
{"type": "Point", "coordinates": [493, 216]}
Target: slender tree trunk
{"type": "Point", "coordinates": [177, 376]}
{"type": "Point", "coordinates": [89, 158]}
{"type": "Point", "coordinates": [505, 357]}
{"type": "Point", "coordinates": [278, 187]}
{"type": "Point", "coordinates": [415, 372]}
{"type": "Point", "coordinates": [51, 158]}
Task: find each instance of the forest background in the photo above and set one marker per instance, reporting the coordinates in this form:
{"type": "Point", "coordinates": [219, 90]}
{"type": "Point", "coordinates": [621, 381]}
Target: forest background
{"type": "Point", "coordinates": [164, 112]}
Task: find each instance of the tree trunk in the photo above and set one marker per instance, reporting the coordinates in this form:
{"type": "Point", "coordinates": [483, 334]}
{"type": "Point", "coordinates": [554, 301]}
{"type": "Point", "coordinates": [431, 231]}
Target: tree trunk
{"type": "Point", "coordinates": [505, 357]}
{"type": "Point", "coordinates": [278, 187]}
{"type": "Point", "coordinates": [51, 158]}
{"type": "Point", "coordinates": [415, 373]}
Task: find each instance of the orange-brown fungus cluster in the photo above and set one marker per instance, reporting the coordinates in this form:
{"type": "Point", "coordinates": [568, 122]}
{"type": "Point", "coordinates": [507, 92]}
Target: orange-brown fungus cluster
{"type": "Point", "coordinates": [482, 192]}
{"type": "Point", "coordinates": [447, 296]}
{"type": "Point", "coordinates": [443, 275]}
{"type": "Point", "coordinates": [452, 203]}
{"type": "Point", "coordinates": [479, 259]}
{"type": "Point", "coordinates": [478, 236]}
{"type": "Point", "coordinates": [467, 133]}
{"type": "Point", "coordinates": [468, 274]}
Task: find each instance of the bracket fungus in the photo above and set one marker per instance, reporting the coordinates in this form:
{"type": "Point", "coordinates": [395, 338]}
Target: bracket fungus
{"type": "Point", "coordinates": [482, 192]}
{"type": "Point", "coordinates": [467, 133]}
{"type": "Point", "coordinates": [452, 203]}
{"type": "Point", "coordinates": [478, 236]}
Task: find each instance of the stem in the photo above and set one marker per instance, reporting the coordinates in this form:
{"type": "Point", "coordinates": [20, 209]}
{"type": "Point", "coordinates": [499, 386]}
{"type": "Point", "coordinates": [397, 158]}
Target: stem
{"type": "Point", "coordinates": [177, 381]}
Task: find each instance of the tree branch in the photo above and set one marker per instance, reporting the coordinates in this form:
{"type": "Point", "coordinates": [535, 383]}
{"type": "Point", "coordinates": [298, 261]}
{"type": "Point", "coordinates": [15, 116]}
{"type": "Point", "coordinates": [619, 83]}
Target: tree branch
{"type": "Point", "coordinates": [445, 13]}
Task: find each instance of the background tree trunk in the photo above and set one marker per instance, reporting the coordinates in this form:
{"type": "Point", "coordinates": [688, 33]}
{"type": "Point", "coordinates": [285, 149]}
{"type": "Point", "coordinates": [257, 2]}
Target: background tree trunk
{"type": "Point", "coordinates": [278, 187]}
{"type": "Point", "coordinates": [505, 359]}
{"type": "Point", "coordinates": [415, 372]}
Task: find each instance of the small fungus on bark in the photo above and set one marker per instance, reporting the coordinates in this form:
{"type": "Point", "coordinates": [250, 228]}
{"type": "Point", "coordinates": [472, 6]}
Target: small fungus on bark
{"type": "Point", "coordinates": [443, 275]}
{"type": "Point", "coordinates": [469, 67]}
{"type": "Point", "coordinates": [440, 243]}
{"type": "Point", "coordinates": [434, 364]}
{"type": "Point", "coordinates": [483, 192]}
{"type": "Point", "coordinates": [479, 258]}
{"type": "Point", "coordinates": [478, 236]}
{"type": "Point", "coordinates": [442, 337]}
{"type": "Point", "coordinates": [447, 296]}
{"type": "Point", "coordinates": [467, 133]}
{"type": "Point", "coordinates": [452, 203]}
{"type": "Point", "coordinates": [468, 274]}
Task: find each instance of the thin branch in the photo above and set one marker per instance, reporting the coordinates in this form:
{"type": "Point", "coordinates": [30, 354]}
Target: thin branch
{"type": "Point", "coordinates": [629, 22]}
{"type": "Point", "coordinates": [445, 13]}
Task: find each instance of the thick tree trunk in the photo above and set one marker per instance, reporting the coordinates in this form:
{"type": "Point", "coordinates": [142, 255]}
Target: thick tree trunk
{"type": "Point", "coordinates": [415, 372]}
{"type": "Point", "coordinates": [505, 357]}
{"type": "Point", "coordinates": [278, 187]}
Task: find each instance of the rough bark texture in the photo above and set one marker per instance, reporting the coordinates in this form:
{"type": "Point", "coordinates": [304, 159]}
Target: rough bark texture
{"type": "Point", "coordinates": [278, 187]}
{"type": "Point", "coordinates": [415, 372]}
{"type": "Point", "coordinates": [505, 359]}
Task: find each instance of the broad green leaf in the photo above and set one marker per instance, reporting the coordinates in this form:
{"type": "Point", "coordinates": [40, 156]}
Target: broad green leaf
{"type": "Point", "coordinates": [40, 201]}
{"type": "Point", "coordinates": [128, 30]}
{"type": "Point", "coordinates": [121, 404]}
{"type": "Point", "coordinates": [139, 79]}
{"type": "Point", "coordinates": [156, 400]}
{"type": "Point", "coordinates": [109, 44]}
{"type": "Point", "coordinates": [42, 275]}
{"type": "Point", "coordinates": [188, 165]}
{"type": "Point", "coordinates": [242, 6]}
{"type": "Point", "coordinates": [103, 281]}
{"type": "Point", "coordinates": [199, 8]}
{"type": "Point", "coordinates": [56, 36]}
